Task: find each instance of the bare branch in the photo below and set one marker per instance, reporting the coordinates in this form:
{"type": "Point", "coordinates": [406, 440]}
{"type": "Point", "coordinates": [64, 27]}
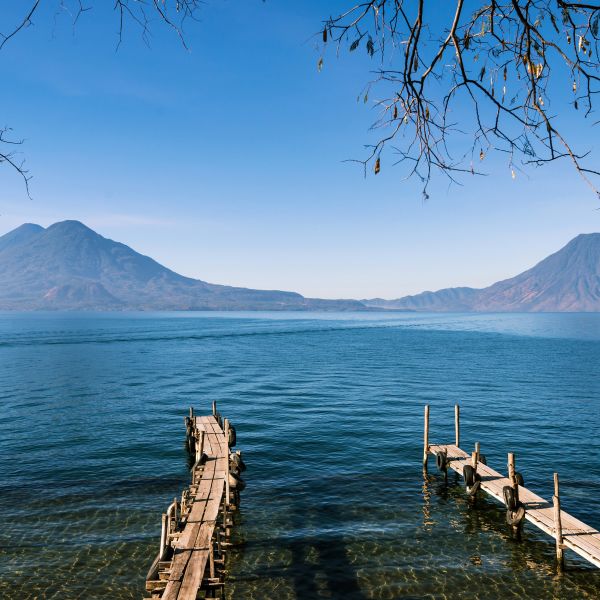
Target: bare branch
{"type": "Point", "coordinates": [494, 72]}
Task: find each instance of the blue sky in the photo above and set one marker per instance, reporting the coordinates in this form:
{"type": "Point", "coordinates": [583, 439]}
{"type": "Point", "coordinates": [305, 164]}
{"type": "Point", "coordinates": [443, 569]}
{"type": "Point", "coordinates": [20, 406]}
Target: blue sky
{"type": "Point", "coordinates": [226, 162]}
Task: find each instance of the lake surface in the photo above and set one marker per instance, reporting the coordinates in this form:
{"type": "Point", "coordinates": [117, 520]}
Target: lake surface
{"type": "Point", "coordinates": [329, 414]}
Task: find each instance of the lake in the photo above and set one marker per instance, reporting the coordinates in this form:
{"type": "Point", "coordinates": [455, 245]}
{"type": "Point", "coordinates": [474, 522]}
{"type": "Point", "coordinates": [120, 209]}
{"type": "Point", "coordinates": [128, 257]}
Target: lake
{"type": "Point", "coordinates": [329, 415]}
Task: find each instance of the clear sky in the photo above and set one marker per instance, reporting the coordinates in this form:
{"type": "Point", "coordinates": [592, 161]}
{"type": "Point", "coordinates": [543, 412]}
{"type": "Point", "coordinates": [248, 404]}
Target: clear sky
{"type": "Point", "coordinates": [225, 163]}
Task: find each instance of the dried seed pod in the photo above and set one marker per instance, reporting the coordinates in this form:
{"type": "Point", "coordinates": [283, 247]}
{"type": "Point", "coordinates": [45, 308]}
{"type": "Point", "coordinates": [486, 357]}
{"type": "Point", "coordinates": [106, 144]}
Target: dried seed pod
{"type": "Point", "coordinates": [377, 166]}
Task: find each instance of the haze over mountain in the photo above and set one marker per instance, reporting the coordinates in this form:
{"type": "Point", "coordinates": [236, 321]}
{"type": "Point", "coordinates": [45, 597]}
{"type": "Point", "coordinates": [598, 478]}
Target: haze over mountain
{"type": "Point", "coordinates": [566, 281]}
{"type": "Point", "coordinates": [68, 266]}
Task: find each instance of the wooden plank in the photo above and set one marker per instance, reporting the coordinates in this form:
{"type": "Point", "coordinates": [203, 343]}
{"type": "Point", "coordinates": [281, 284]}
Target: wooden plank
{"type": "Point", "coordinates": [579, 537]}
{"type": "Point", "coordinates": [192, 549]}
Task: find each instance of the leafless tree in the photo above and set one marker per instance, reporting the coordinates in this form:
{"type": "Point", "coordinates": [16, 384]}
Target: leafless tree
{"type": "Point", "coordinates": [457, 79]}
{"type": "Point", "coordinates": [141, 13]}
{"type": "Point", "coordinates": [460, 78]}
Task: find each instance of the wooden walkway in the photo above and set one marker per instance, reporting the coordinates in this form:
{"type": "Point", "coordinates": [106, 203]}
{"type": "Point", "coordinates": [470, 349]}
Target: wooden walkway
{"type": "Point", "coordinates": [195, 530]}
{"type": "Point", "coordinates": [576, 535]}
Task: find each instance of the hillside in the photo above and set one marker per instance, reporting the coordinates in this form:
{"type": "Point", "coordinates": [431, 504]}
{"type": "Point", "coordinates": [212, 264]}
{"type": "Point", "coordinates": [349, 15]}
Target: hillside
{"type": "Point", "coordinates": [566, 281]}
{"type": "Point", "coordinates": [68, 266]}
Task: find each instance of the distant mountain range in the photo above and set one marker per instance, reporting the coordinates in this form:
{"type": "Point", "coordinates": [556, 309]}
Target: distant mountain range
{"type": "Point", "coordinates": [68, 266]}
{"type": "Point", "coordinates": [566, 281]}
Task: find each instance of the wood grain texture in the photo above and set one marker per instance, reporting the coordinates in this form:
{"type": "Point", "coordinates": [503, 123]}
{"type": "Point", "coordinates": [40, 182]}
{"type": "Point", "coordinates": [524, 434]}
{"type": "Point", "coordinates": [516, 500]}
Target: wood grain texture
{"type": "Point", "coordinates": [577, 536]}
{"type": "Point", "coordinates": [192, 549]}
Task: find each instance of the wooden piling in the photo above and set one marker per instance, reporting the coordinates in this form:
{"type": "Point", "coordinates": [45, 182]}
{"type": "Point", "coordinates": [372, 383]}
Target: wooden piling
{"type": "Point", "coordinates": [200, 446]}
{"type": "Point", "coordinates": [227, 472]}
{"type": "Point", "coordinates": [163, 536]}
{"type": "Point", "coordinates": [192, 528]}
{"type": "Point", "coordinates": [568, 532]}
{"type": "Point", "coordinates": [512, 475]}
{"type": "Point", "coordinates": [557, 523]}
{"type": "Point", "coordinates": [214, 408]}
{"type": "Point", "coordinates": [457, 425]}
{"type": "Point", "coordinates": [426, 437]}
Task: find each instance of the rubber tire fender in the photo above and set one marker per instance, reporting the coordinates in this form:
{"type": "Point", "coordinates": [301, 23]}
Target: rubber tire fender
{"type": "Point", "coordinates": [238, 461]}
{"type": "Point", "coordinates": [441, 460]}
{"type": "Point", "coordinates": [469, 475]}
{"type": "Point", "coordinates": [509, 498]}
{"type": "Point", "coordinates": [236, 483]}
{"type": "Point", "coordinates": [514, 517]}
{"type": "Point", "coordinates": [232, 436]}
{"type": "Point", "coordinates": [472, 490]}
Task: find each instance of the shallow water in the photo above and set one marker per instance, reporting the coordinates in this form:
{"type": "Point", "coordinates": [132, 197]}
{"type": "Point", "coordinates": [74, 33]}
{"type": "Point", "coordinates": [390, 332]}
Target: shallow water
{"type": "Point", "coordinates": [329, 414]}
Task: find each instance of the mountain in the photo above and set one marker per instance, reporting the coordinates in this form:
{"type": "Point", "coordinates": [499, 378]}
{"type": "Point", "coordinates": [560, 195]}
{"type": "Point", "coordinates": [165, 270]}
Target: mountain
{"type": "Point", "coordinates": [68, 266]}
{"type": "Point", "coordinates": [566, 281]}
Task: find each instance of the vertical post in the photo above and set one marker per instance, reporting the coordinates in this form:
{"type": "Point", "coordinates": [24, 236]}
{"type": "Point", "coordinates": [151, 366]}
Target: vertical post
{"type": "Point", "coordinates": [426, 437]}
{"type": "Point", "coordinates": [201, 444]}
{"type": "Point", "coordinates": [191, 412]}
{"type": "Point", "coordinates": [557, 523]}
{"type": "Point", "coordinates": [477, 449]}
{"type": "Point", "coordinates": [212, 559]}
{"type": "Point", "coordinates": [214, 408]}
{"type": "Point", "coordinates": [227, 462]}
{"type": "Point", "coordinates": [457, 425]}
{"type": "Point", "coordinates": [163, 537]}
{"type": "Point", "coordinates": [474, 459]}
{"type": "Point", "coordinates": [512, 474]}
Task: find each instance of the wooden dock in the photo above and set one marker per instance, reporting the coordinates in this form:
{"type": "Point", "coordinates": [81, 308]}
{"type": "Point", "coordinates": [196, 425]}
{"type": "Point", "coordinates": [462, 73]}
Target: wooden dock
{"type": "Point", "coordinates": [196, 530]}
{"type": "Point", "coordinates": [567, 531]}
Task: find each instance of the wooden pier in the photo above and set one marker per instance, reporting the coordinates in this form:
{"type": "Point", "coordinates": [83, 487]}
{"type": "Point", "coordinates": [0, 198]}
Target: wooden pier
{"type": "Point", "coordinates": [196, 530]}
{"type": "Point", "coordinates": [567, 531]}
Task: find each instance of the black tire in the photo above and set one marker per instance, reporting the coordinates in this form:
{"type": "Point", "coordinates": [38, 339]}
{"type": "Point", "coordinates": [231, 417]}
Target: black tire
{"type": "Point", "coordinates": [514, 517]}
{"type": "Point", "coordinates": [519, 479]}
{"type": "Point", "coordinates": [472, 490]}
{"type": "Point", "coordinates": [469, 475]}
{"type": "Point", "coordinates": [236, 483]}
{"type": "Point", "coordinates": [232, 436]}
{"type": "Point", "coordinates": [509, 498]}
{"type": "Point", "coordinates": [483, 459]}
{"type": "Point", "coordinates": [237, 460]}
{"type": "Point", "coordinates": [441, 461]}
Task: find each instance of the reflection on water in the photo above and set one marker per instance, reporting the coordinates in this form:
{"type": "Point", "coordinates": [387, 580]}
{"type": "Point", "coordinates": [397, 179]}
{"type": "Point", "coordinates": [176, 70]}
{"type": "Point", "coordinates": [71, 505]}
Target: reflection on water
{"type": "Point", "coordinates": [328, 410]}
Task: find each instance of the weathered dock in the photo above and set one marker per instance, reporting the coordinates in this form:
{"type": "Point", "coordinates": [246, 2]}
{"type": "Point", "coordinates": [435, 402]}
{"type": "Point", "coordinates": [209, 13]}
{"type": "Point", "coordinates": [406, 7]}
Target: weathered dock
{"type": "Point", "coordinates": [196, 529]}
{"type": "Point", "coordinates": [521, 503]}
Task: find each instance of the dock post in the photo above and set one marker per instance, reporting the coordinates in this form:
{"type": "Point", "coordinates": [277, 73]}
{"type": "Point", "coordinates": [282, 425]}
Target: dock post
{"type": "Point", "coordinates": [426, 437]}
{"type": "Point", "coordinates": [211, 558]}
{"type": "Point", "coordinates": [557, 523]}
{"type": "Point", "coordinates": [227, 468]}
{"type": "Point", "coordinates": [214, 408]}
{"type": "Point", "coordinates": [163, 536]}
{"type": "Point", "coordinates": [457, 425]}
{"type": "Point", "coordinates": [200, 446]}
{"type": "Point", "coordinates": [512, 475]}
{"type": "Point", "coordinates": [475, 457]}
{"type": "Point", "coordinates": [201, 443]}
